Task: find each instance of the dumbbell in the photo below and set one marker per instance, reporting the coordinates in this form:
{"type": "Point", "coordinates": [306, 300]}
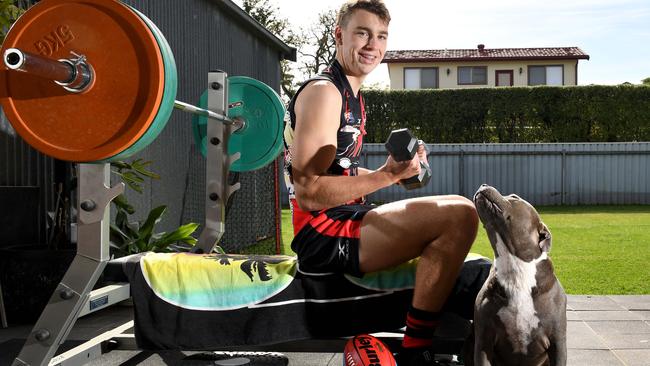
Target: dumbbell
{"type": "Point", "coordinates": [402, 146]}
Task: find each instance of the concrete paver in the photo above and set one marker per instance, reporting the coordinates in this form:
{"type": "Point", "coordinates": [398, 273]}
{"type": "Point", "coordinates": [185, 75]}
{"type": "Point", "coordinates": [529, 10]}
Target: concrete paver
{"type": "Point", "coordinates": [628, 341]}
{"type": "Point", "coordinates": [632, 302]}
{"type": "Point", "coordinates": [582, 357]}
{"type": "Point", "coordinates": [634, 357]}
{"type": "Point", "coordinates": [645, 314]}
{"type": "Point", "coordinates": [581, 336]}
{"type": "Point", "coordinates": [613, 315]}
{"type": "Point", "coordinates": [616, 328]}
{"type": "Point", "coordinates": [592, 303]}
{"type": "Point", "coordinates": [572, 315]}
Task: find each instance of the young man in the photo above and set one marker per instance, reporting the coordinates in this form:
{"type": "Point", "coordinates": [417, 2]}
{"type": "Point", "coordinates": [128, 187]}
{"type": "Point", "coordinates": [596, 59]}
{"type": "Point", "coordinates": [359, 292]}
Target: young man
{"type": "Point", "coordinates": [335, 230]}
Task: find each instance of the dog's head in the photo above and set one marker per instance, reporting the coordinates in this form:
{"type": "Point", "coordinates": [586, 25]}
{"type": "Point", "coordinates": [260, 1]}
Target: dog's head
{"type": "Point", "coordinates": [515, 221]}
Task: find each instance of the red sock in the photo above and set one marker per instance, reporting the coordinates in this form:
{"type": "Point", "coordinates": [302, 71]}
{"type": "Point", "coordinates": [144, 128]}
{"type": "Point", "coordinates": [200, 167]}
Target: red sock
{"type": "Point", "coordinates": [420, 326]}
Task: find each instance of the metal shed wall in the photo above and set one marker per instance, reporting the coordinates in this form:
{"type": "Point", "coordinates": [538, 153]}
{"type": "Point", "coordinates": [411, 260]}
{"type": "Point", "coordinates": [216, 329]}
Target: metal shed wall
{"type": "Point", "coordinates": [204, 35]}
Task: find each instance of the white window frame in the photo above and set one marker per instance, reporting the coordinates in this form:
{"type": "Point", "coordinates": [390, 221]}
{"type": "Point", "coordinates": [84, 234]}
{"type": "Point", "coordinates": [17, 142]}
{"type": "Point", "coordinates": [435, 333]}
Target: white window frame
{"type": "Point", "coordinates": [546, 80]}
{"type": "Point", "coordinates": [471, 68]}
{"type": "Point", "coordinates": [418, 85]}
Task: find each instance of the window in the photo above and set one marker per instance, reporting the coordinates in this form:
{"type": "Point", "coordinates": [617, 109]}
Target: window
{"type": "Point", "coordinates": [546, 75]}
{"type": "Point", "coordinates": [472, 75]}
{"type": "Point", "coordinates": [504, 77]}
{"type": "Point", "coordinates": [421, 78]}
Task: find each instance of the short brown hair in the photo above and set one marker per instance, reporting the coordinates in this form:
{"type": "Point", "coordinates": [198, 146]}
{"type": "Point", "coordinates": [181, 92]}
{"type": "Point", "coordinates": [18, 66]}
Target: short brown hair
{"type": "Point", "coordinates": [376, 7]}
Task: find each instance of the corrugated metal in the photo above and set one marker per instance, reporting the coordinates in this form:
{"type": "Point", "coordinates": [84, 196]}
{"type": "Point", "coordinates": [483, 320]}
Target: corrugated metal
{"type": "Point", "coordinates": [543, 174]}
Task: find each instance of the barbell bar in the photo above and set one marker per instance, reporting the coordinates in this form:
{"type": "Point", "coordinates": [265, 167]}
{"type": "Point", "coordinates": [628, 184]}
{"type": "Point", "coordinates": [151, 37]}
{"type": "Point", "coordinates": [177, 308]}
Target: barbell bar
{"type": "Point", "coordinates": [76, 74]}
{"type": "Point", "coordinates": [96, 80]}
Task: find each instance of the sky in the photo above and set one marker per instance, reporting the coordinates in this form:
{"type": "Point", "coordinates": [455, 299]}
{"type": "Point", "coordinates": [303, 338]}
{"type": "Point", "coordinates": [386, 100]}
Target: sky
{"type": "Point", "coordinates": [614, 33]}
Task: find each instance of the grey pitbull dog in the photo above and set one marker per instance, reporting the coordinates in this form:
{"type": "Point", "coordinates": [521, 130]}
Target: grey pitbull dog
{"type": "Point", "coordinates": [520, 312]}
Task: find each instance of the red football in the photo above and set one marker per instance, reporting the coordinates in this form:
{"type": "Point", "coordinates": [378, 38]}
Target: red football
{"type": "Point", "coordinates": [366, 350]}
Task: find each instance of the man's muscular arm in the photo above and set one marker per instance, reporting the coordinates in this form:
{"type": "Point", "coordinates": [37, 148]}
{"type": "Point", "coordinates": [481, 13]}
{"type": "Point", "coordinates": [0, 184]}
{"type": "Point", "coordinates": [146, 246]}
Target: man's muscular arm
{"type": "Point", "coordinates": [318, 110]}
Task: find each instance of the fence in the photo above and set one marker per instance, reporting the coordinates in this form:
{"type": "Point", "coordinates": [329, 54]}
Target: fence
{"type": "Point", "coordinates": [543, 174]}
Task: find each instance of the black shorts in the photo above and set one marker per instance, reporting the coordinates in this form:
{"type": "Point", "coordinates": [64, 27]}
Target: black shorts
{"type": "Point", "coordinates": [329, 242]}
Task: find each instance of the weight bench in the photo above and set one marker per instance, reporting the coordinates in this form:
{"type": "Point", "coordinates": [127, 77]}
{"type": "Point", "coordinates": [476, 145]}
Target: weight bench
{"type": "Point", "coordinates": [217, 301]}
{"type": "Point", "coordinates": [264, 303]}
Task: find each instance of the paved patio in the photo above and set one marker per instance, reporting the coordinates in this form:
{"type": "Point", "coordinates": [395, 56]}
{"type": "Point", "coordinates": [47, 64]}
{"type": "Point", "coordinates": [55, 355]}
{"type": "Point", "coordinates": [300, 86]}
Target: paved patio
{"type": "Point", "coordinates": [602, 330]}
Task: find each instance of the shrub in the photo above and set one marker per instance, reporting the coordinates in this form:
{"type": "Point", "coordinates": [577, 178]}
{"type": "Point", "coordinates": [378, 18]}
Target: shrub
{"type": "Point", "coordinates": [596, 113]}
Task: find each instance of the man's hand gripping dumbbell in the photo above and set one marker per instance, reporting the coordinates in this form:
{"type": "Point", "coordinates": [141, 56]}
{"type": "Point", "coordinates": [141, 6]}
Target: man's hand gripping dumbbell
{"type": "Point", "coordinates": [402, 146]}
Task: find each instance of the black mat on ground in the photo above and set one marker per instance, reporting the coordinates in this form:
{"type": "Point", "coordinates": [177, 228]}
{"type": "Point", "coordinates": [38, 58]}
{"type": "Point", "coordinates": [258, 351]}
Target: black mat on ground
{"type": "Point", "coordinates": [10, 349]}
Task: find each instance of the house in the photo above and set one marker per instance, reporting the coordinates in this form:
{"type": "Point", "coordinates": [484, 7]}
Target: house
{"type": "Point", "coordinates": [483, 67]}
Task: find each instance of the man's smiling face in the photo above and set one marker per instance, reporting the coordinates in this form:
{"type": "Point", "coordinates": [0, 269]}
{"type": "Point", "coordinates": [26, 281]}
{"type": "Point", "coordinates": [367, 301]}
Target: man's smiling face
{"type": "Point", "coordinates": [361, 43]}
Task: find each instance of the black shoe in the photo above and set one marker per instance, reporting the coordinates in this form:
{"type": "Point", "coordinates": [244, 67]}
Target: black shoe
{"type": "Point", "coordinates": [416, 357]}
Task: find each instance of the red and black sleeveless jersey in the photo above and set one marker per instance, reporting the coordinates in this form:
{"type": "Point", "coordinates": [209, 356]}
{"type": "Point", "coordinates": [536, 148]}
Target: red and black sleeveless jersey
{"type": "Point", "coordinates": [350, 133]}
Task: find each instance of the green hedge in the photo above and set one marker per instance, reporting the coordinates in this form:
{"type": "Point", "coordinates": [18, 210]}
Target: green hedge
{"type": "Point", "coordinates": [519, 114]}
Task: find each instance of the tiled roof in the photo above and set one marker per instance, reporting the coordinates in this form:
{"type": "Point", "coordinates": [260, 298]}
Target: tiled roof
{"type": "Point", "coordinates": [481, 53]}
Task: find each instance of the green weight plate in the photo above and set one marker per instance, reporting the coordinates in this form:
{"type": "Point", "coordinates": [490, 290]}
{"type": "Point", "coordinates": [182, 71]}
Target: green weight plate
{"type": "Point", "coordinates": [260, 141]}
{"type": "Point", "coordinates": [169, 94]}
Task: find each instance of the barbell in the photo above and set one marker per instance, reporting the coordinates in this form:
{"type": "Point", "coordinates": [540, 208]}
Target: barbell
{"type": "Point", "coordinates": [96, 81]}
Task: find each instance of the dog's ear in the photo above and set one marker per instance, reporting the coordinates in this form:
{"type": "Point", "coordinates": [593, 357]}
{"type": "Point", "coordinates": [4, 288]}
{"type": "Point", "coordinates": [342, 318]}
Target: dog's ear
{"type": "Point", "coordinates": [544, 239]}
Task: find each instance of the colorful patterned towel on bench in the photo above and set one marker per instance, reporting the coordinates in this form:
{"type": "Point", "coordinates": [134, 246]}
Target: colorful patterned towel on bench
{"type": "Point", "coordinates": [192, 301]}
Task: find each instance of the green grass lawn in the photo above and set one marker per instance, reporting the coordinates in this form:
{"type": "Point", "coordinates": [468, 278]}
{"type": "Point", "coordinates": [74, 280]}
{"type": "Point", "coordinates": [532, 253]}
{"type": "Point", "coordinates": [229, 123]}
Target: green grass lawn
{"type": "Point", "coordinates": [596, 249]}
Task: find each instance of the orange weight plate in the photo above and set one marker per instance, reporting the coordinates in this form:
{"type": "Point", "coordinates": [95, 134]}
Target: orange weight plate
{"type": "Point", "coordinates": [122, 103]}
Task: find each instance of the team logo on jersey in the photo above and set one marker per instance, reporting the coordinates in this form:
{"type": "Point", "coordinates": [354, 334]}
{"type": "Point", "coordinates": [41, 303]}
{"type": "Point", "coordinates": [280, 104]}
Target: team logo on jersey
{"type": "Point", "coordinates": [344, 249]}
{"type": "Point", "coordinates": [350, 119]}
{"type": "Point", "coordinates": [354, 146]}
{"type": "Point", "coordinates": [345, 163]}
